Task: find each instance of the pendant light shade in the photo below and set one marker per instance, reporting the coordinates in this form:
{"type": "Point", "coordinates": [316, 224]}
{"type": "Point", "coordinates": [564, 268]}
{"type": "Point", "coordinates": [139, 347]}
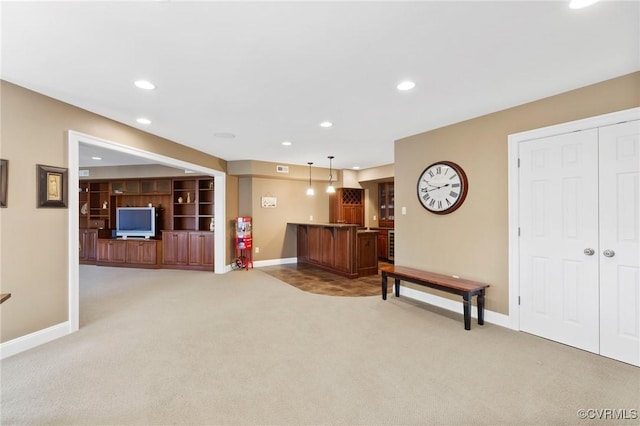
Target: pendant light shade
{"type": "Point", "coordinates": [310, 189]}
{"type": "Point", "coordinates": [330, 188]}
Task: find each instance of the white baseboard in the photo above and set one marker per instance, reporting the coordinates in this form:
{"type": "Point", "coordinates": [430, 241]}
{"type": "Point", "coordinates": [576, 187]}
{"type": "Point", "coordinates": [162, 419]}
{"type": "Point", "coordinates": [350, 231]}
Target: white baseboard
{"type": "Point", "coordinates": [34, 339]}
{"type": "Point", "coordinates": [272, 262]}
{"type": "Point", "coordinates": [452, 305]}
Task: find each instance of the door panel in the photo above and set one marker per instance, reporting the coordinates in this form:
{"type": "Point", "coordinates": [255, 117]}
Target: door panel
{"type": "Point", "coordinates": [620, 232]}
{"type": "Point", "coordinates": [558, 221]}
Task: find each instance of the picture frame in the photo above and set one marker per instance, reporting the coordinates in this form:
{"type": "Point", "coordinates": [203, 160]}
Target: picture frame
{"type": "Point", "coordinates": [4, 182]}
{"type": "Point", "coordinates": [52, 186]}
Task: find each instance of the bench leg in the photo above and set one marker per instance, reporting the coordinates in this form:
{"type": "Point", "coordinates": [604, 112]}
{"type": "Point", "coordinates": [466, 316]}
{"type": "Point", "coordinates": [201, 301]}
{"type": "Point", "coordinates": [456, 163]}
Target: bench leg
{"type": "Point", "coordinates": [481, 308]}
{"type": "Point", "coordinates": [467, 311]}
{"type": "Point", "coordinates": [384, 286]}
{"type": "Point", "coordinates": [397, 286]}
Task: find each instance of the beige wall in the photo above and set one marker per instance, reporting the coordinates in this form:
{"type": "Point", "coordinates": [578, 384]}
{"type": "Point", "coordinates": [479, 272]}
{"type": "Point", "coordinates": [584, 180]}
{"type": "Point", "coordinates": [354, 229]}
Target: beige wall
{"type": "Point", "coordinates": [33, 266]}
{"type": "Point", "coordinates": [132, 172]}
{"type": "Point", "coordinates": [472, 242]}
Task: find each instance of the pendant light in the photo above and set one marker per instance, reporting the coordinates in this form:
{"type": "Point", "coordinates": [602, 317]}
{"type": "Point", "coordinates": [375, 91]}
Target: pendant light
{"type": "Point", "coordinates": [310, 189]}
{"type": "Point", "coordinates": [330, 188]}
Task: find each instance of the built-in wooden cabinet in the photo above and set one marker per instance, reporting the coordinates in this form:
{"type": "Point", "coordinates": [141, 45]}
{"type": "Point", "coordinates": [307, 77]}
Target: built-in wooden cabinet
{"type": "Point", "coordinates": [112, 251]}
{"type": "Point", "coordinates": [155, 187]}
{"type": "Point", "coordinates": [201, 249]}
{"type": "Point", "coordinates": [193, 204]}
{"type": "Point", "coordinates": [341, 249]}
{"type": "Point", "coordinates": [188, 249]}
{"type": "Point", "coordinates": [142, 252]}
{"type": "Point", "coordinates": [386, 205]}
{"type": "Point", "coordinates": [176, 248]}
{"type": "Point", "coordinates": [185, 210]}
{"type": "Point", "coordinates": [88, 245]}
{"type": "Point", "coordinates": [347, 206]}
{"type": "Point", "coordinates": [98, 205]}
{"type": "Point", "coordinates": [383, 247]}
{"type": "Point", "coordinates": [125, 187]}
{"type": "Point", "coordinates": [127, 252]}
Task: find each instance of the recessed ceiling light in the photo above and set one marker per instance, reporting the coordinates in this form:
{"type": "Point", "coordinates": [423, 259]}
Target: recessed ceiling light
{"type": "Point", "coordinates": [224, 135]}
{"type": "Point", "coordinates": [286, 143]}
{"type": "Point", "coordinates": [579, 4]}
{"type": "Point", "coordinates": [406, 85]}
{"type": "Point", "coordinates": [143, 120]}
{"type": "Point", "coordinates": [356, 167]}
{"type": "Point", "coordinates": [96, 158]}
{"type": "Point", "coordinates": [144, 84]}
{"type": "Point", "coordinates": [326, 124]}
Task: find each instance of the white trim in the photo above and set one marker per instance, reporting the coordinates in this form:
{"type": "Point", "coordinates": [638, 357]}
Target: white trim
{"type": "Point", "coordinates": [513, 192]}
{"type": "Point", "coordinates": [271, 262]}
{"type": "Point", "coordinates": [454, 306]}
{"type": "Point", "coordinates": [34, 339]}
{"type": "Point", "coordinates": [73, 142]}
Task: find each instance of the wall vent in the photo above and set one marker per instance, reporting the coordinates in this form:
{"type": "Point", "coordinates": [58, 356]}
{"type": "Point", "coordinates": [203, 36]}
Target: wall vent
{"type": "Point", "coordinates": [282, 169]}
{"type": "Point", "coordinates": [83, 173]}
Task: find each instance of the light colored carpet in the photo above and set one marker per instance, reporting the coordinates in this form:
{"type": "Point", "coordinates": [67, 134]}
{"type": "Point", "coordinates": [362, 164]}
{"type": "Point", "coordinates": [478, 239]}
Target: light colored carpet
{"type": "Point", "coordinates": [185, 347]}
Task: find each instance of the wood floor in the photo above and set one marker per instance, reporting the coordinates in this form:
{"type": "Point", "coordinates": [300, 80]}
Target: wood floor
{"type": "Point", "coordinates": [315, 280]}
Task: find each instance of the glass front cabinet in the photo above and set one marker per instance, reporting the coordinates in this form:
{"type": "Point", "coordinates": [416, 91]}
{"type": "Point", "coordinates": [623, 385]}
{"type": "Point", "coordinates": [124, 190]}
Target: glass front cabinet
{"type": "Point", "coordinates": [386, 201]}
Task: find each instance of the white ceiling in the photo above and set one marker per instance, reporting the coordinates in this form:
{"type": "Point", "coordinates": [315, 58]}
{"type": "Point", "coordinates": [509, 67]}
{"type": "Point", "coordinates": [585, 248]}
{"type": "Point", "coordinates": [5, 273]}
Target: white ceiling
{"type": "Point", "coordinates": [269, 72]}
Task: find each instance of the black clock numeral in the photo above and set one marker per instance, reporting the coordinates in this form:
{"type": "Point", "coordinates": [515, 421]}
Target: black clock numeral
{"type": "Point", "coordinates": [455, 185]}
{"type": "Point", "coordinates": [432, 202]}
{"type": "Point", "coordinates": [452, 177]}
{"type": "Point", "coordinates": [453, 194]}
{"type": "Point", "coordinates": [431, 173]}
{"type": "Point", "coordinates": [439, 204]}
{"type": "Point", "coordinates": [439, 170]}
{"type": "Point", "coordinates": [426, 197]}
{"type": "Point", "coordinates": [448, 202]}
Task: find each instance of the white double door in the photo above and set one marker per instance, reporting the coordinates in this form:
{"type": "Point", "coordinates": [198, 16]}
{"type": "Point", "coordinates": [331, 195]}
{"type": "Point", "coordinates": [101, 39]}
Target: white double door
{"type": "Point", "coordinates": [579, 204]}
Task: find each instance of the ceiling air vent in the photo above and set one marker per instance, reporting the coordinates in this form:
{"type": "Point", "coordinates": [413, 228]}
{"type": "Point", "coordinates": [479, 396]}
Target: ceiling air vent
{"type": "Point", "coordinates": [282, 169]}
{"type": "Point", "coordinates": [83, 173]}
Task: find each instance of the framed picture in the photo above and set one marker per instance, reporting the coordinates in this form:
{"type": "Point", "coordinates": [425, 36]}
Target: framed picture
{"type": "Point", "coordinates": [4, 184]}
{"type": "Point", "coordinates": [52, 186]}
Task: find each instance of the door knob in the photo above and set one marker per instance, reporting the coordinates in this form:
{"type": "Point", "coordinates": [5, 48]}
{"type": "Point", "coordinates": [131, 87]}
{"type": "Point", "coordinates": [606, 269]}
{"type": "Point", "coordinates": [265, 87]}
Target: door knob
{"type": "Point", "coordinates": [589, 251]}
{"type": "Point", "coordinates": [609, 253]}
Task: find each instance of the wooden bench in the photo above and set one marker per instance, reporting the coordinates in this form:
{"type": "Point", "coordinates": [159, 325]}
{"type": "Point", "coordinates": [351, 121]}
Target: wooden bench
{"type": "Point", "coordinates": [465, 288]}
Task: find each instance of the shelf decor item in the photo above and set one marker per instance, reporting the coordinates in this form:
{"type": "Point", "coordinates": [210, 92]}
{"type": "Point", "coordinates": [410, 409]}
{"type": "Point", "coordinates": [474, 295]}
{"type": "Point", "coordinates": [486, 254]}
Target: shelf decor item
{"type": "Point", "coordinates": [52, 186]}
{"type": "Point", "coordinates": [4, 175]}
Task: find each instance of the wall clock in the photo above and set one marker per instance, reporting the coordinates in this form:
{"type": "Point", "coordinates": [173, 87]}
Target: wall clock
{"type": "Point", "coordinates": [442, 187]}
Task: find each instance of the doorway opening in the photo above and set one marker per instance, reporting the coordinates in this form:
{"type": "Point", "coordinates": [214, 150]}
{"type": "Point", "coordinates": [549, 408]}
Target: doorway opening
{"type": "Point", "coordinates": [75, 139]}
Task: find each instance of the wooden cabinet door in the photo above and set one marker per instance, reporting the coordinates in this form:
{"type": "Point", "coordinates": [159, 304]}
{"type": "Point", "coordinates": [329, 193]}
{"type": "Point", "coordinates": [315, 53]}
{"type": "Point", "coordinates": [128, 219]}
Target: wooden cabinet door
{"type": "Point", "coordinates": [90, 244]}
{"type": "Point", "coordinates": [207, 249]}
{"type": "Point", "coordinates": [130, 187]}
{"type": "Point", "coordinates": [382, 244]}
{"type": "Point", "coordinates": [176, 248]}
{"type": "Point", "coordinates": [155, 186]}
{"type": "Point", "coordinates": [112, 251]}
{"type": "Point", "coordinates": [141, 252]}
{"type": "Point", "coordinates": [195, 248]}
{"type": "Point", "coordinates": [353, 214]}
{"type": "Point", "coordinates": [201, 248]}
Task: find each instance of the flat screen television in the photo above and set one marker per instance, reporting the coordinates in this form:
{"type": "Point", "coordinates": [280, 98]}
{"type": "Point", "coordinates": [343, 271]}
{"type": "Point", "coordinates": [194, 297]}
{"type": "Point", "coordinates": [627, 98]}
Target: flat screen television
{"type": "Point", "coordinates": [136, 222]}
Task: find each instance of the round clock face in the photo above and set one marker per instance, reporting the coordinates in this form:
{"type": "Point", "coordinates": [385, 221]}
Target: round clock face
{"type": "Point", "coordinates": [442, 187]}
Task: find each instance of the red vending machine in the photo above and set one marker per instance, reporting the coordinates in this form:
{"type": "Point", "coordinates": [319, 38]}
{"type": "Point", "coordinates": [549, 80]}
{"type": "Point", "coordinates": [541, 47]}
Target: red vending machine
{"type": "Point", "coordinates": [244, 258]}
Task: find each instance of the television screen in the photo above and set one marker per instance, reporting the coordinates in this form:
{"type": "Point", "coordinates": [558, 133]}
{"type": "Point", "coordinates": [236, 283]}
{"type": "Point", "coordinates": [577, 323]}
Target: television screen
{"type": "Point", "coordinates": [135, 222]}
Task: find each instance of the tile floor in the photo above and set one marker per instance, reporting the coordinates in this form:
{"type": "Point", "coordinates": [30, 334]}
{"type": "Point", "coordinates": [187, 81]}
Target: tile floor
{"type": "Point", "coordinates": [316, 280]}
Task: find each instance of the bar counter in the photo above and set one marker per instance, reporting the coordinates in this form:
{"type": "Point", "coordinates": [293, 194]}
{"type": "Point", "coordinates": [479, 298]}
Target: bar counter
{"type": "Point", "coordinates": [338, 247]}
